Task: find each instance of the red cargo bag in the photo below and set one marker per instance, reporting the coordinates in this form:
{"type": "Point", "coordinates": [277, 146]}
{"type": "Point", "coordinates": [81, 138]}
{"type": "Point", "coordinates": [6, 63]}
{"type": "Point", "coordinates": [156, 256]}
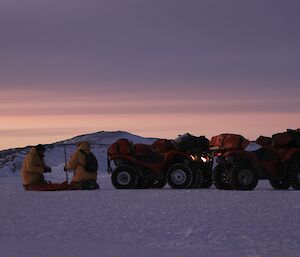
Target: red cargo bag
{"type": "Point", "coordinates": [229, 141]}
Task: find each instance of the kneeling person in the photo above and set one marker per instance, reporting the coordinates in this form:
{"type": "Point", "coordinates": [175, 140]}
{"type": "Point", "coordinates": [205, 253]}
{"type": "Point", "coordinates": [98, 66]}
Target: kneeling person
{"type": "Point", "coordinates": [85, 165]}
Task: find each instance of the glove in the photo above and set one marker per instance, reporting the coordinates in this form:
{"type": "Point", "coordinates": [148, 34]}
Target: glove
{"type": "Point", "coordinates": [47, 170]}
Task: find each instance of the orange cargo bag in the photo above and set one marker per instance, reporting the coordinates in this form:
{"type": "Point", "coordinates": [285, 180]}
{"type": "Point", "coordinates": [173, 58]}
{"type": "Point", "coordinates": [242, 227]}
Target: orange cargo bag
{"type": "Point", "coordinates": [229, 141]}
{"type": "Point", "coordinates": [122, 146]}
{"type": "Point", "coordinates": [163, 145]}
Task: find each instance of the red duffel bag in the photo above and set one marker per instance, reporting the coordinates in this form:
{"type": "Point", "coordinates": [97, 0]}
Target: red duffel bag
{"type": "Point", "coordinates": [163, 145]}
{"type": "Point", "coordinates": [122, 146]}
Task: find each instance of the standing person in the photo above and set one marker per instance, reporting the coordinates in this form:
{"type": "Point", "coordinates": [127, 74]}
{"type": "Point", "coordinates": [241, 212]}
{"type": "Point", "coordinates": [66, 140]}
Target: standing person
{"type": "Point", "coordinates": [33, 170]}
{"type": "Point", "coordinates": [85, 165]}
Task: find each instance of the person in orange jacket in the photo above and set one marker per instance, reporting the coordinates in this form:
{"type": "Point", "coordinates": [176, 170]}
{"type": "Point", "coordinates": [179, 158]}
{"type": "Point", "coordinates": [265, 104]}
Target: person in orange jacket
{"type": "Point", "coordinates": [33, 170]}
{"type": "Point", "coordinates": [85, 165]}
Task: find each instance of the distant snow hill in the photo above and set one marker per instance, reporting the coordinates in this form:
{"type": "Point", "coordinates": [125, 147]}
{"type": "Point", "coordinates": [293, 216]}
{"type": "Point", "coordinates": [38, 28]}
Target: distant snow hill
{"type": "Point", "coordinates": [11, 160]}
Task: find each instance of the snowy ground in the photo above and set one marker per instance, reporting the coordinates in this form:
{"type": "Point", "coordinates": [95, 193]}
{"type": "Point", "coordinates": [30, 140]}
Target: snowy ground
{"type": "Point", "coordinates": [142, 223]}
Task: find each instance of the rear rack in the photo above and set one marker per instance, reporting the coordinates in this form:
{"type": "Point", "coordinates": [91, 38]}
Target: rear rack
{"type": "Point", "coordinates": [215, 148]}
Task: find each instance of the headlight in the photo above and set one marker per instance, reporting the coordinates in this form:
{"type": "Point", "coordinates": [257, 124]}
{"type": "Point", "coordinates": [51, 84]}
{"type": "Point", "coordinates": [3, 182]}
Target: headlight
{"type": "Point", "coordinates": [203, 159]}
{"type": "Point", "coordinates": [194, 158]}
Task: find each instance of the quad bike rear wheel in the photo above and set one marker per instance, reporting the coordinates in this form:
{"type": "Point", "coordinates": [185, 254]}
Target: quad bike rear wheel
{"type": "Point", "coordinates": [243, 177]}
{"type": "Point", "coordinates": [219, 178]}
{"type": "Point", "coordinates": [180, 176]}
{"type": "Point", "coordinates": [197, 178]}
{"type": "Point", "coordinates": [124, 177]}
{"type": "Point", "coordinates": [282, 184]}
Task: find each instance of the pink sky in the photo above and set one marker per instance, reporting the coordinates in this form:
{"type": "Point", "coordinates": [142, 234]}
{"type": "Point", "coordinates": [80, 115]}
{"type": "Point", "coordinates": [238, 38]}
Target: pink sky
{"type": "Point", "coordinates": [156, 68]}
{"type": "Point", "coordinates": [32, 117]}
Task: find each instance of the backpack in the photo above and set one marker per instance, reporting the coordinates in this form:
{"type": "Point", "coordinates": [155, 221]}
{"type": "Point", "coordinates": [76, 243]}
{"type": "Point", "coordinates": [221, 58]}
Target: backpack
{"type": "Point", "coordinates": [264, 141]}
{"type": "Point", "coordinates": [91, 163]}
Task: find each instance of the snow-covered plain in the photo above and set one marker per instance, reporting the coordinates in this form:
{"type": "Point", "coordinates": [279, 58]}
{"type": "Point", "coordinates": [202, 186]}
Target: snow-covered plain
{"type": "Point", "coordinates": [142, 223]}
{"type": "Point", "coordinates": [161, 222]}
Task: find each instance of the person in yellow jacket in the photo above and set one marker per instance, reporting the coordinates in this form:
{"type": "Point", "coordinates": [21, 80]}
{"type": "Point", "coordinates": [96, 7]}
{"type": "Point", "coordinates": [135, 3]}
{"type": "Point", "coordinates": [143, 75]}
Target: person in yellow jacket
{"type": "Point", "coordinates": [85, 165]}
{"type": "Point", "coordinates": [34, 167]}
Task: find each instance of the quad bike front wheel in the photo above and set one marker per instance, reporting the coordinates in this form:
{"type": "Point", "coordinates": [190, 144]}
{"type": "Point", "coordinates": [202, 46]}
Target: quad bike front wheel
{"type": "Point", "coordinates": [180, 176]}
{"type": "Point", "coordinates": [202, 179]}
{"type": "Point", "coordinates": [220, 178]}
{"type": "Point", "coordinates": [282, 184]}
{"type": "Point", "coordinates": [243, 177]}
{"type": "Point", "coordinates": [124, 177]}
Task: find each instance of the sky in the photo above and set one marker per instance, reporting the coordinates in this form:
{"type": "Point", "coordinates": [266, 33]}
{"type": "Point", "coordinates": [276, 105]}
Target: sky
{"type": "Point", "coordinates": [155, 68]}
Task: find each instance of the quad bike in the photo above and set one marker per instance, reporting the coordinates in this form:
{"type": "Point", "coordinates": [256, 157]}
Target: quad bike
{"type": "Point", "coordinates": [152, 166]}
{"type": "Point", "coordinates": [198, 148]}
{"type": "Point", "coordinates": [239, 169]}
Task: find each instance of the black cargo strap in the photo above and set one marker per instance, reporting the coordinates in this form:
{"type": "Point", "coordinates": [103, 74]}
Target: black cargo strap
{"type": "Point", "coordinates": [240, 143]}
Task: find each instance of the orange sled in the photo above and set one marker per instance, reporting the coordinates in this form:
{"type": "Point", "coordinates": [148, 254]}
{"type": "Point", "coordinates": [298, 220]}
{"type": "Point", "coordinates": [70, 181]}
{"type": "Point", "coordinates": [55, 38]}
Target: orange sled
{"type": "Point", "coordinates": [60, 187]}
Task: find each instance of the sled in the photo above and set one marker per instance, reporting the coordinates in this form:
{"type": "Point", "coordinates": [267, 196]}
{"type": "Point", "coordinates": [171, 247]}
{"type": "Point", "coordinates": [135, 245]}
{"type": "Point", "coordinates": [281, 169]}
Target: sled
{"type": "Point", "coordinates": [88, 185]}
{"type": "Point", "coordinates": [48, 187]}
